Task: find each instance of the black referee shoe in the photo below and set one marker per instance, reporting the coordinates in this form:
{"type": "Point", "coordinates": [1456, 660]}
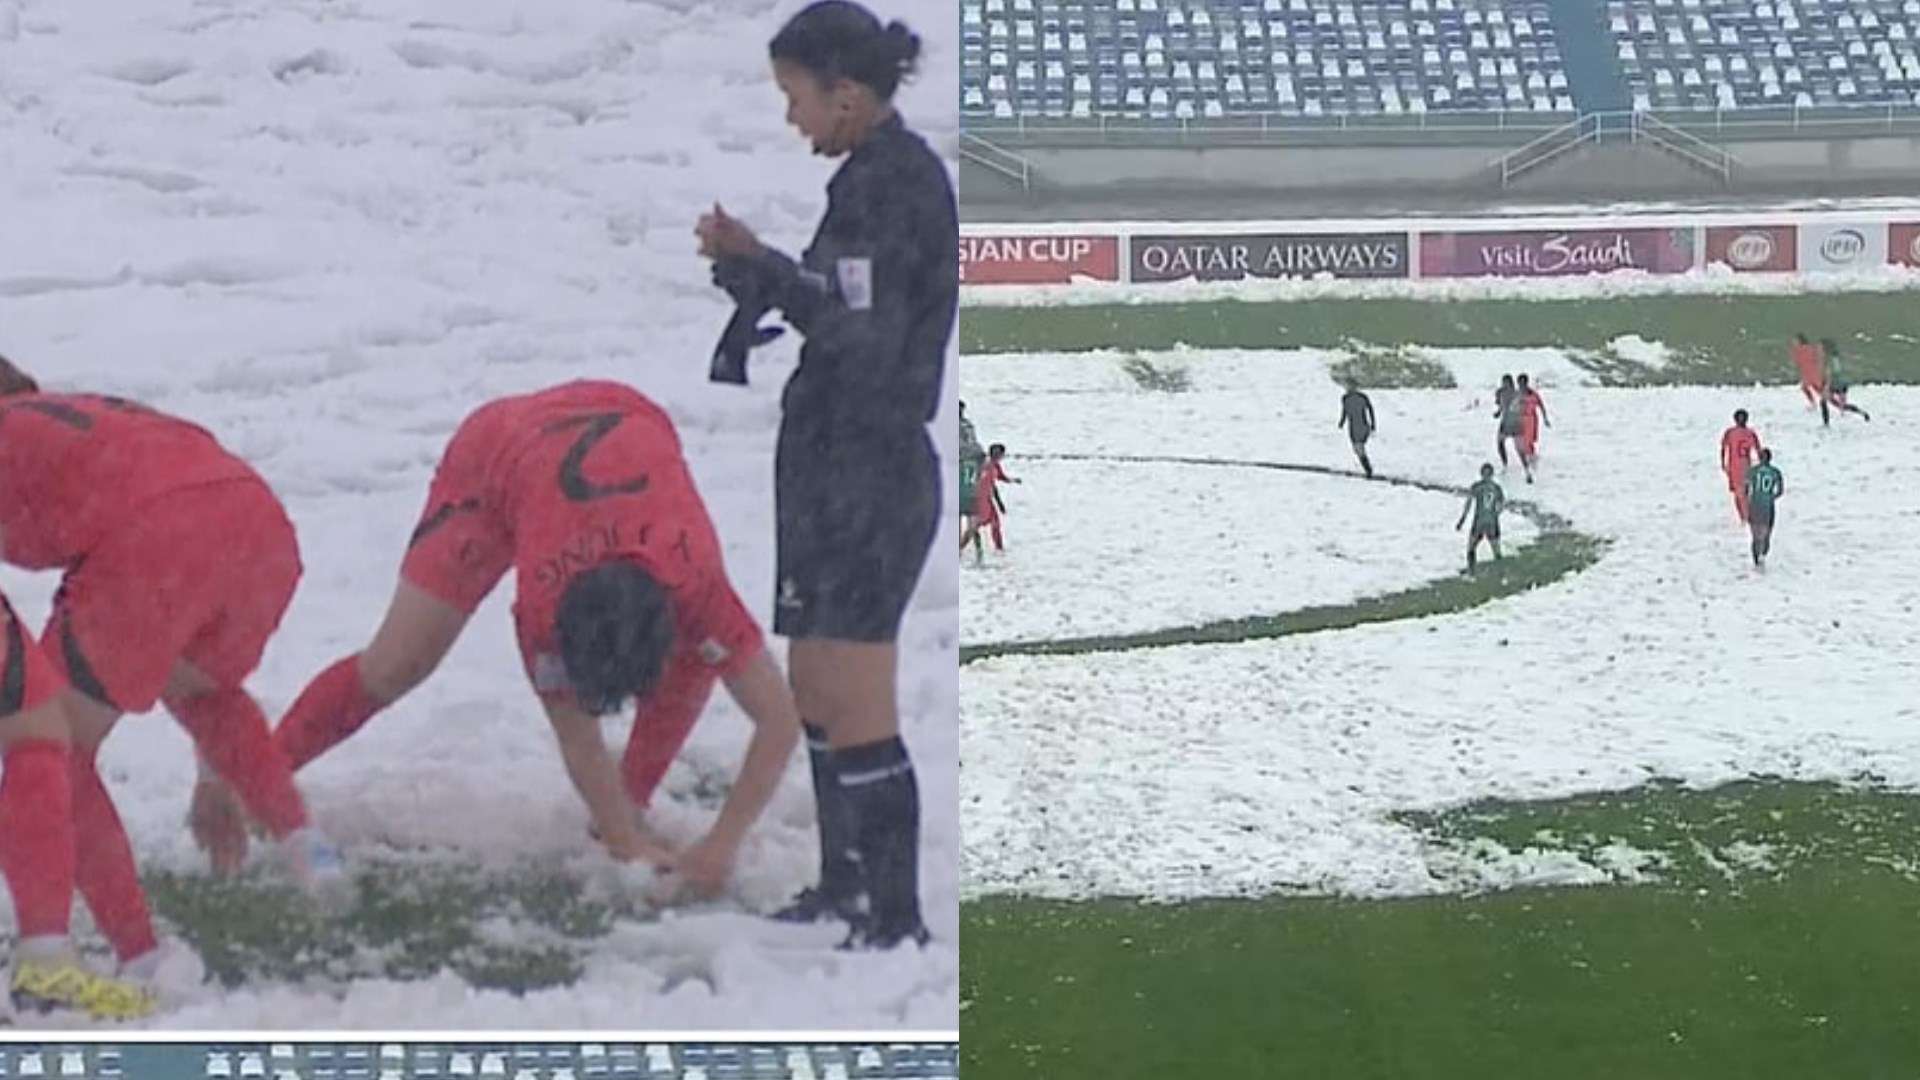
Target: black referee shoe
{"type": "Point", "coordinates": [871, 938]}
{"type": "Point", "coordinates": [816, 905]}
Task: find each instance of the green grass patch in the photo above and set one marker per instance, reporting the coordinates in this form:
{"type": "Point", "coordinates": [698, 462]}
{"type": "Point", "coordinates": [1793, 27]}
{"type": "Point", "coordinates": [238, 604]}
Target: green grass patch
{"type": "Point", "coordinates": [1557, 551]}
{"type": "Point", "coordinates": [518, 929]}
{"type": "Point", "coordinates": [1390, 368]}
{"type": "Point", "coordinates": [1158, 378]}
{"type": "Point", "coordinates": [1778, 941]}
{"type": "Point", "coordinates": [1726, 340]}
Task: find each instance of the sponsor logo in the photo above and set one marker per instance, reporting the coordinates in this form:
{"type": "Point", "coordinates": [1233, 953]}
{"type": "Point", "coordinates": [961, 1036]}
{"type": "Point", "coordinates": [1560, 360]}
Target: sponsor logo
{"type": "Point", "coordinates": [789, 595]}
{"type": "Point", "coordinates": [1560, 253]}
{"type": "Point", "coordinates": [1040, 249]}
{"type": "Point", "coordinates": [1843, 247]}
{"type": "Point", "coordinates": [713, 652]}
{"type": "Point", "coordinates": [1750, 251]}
{"type": "Point", "coordinates": [1038, 260]}
{"type": "Point", "coordinates": [1217, 258]}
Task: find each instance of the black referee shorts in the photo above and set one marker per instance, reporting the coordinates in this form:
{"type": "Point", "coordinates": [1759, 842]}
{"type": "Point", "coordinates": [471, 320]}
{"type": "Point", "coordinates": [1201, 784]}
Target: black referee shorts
{"type": "Point", "coordinates": [857, 512]}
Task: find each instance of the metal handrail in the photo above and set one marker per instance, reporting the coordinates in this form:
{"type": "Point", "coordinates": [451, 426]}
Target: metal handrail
{"type": "Point", "coordinates": [1710, 157]}
{"type": "Point", "coordinates": [1517, 161]}
{"type": "Point", "coordinates": [999, 159]}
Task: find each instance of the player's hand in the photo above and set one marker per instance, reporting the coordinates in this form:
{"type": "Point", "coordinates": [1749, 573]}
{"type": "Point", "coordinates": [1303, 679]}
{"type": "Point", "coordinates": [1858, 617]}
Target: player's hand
{"type": "Point", "coordinates": [632, 846]}
{"type": "Point", "coordinates": [219, 825]}
{"type": "Point", "coordinates": [721, 235]}
{"type": "Point", "coordinates": [705, 867]}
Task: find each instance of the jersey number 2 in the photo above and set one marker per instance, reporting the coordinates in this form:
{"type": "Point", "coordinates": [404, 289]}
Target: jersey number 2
{"type": "Point", "coordinates": [573, 479]}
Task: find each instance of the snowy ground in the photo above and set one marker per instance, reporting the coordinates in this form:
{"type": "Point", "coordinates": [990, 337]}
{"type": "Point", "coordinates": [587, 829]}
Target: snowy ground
{"type": "Point", "coordinates": [1272, 766]}
{"type": "Point", "coordinates": [328, 230]}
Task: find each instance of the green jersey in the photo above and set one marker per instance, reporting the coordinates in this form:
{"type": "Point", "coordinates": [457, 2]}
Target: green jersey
{"type": "Point", "coordinates": [971, 457]}
{"type": "Point", "coordinates": [1488, 501]}
{"type": "Point", "coordinates": [1764, 486]}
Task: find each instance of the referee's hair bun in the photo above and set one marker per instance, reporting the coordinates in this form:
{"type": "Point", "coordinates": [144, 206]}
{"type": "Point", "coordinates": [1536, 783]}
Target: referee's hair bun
{"type": "Point", "coordinates": [903, 45]}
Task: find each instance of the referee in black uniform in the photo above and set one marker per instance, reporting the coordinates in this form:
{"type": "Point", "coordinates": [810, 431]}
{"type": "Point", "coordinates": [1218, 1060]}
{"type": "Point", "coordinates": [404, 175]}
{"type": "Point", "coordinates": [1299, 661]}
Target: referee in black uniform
{"type": "Point", "coordinates": [857, 477]}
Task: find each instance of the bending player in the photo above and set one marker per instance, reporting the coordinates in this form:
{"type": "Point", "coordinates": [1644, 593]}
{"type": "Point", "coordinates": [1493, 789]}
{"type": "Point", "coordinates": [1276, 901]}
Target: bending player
{"type": "Point", "coordinates": [37, 839]}
{"type": "Point", "coordinates": [1533, 413]}
{"type": "Point", "coordinates": [1356, 415]}
{"type": "Point", "coordinates": [1738, 444]}
{"type": "Point", "coordinates": [621, 594]}
{"type": "Point", "coordinates": [1485, 500]}
{"type": "Point", "coordinates": [178, 564]}
{"type": "Point", "coordinates": [1765, 486]}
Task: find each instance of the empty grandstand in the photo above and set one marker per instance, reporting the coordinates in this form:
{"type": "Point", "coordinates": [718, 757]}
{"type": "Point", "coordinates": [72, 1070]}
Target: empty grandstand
{"type": "Point", "coordinates": [481, 1061]}
{"type": "Point", "coordinates": [1662, 98]}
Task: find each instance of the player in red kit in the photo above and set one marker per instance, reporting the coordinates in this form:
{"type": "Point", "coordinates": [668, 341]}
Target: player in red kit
{"type": "Point", "coordinates": [1533, 413]}
{"type": "Point", "coordinates": [1739, 445]}
{"type": "Point", "coordinates": [987, 508]}
{"type": "Point", "coordinates": [1811, 366]}
{"type": "Point", "coordinates": [621, 594]}
{"type": "Point", "coordinates": [178, 562]}
{"type": "Point", "coordinates": [37, 849]}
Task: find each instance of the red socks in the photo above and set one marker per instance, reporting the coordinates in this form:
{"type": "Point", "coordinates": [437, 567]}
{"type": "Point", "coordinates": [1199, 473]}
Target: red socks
{"type": "Point", "coordinates": [36, 835]}
{"type": "Point", "coordinates": [106, 873]}
{"type": "Point", "coordinates": [233, 736]}
{"type": "Point", "coordinates": [333, 706]}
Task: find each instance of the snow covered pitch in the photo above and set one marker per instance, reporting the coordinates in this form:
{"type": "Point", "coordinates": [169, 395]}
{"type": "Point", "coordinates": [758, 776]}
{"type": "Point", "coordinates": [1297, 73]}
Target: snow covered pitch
{"type": "Point", "coordinates": [327, 230]}
{"type": "Point", "coordinates": [1274, 766]}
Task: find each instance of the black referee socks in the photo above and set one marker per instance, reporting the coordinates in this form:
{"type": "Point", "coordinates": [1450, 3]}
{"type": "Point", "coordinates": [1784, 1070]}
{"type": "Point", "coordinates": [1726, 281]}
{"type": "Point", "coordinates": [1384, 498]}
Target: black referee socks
{"type": "Point", "coordinates": [877, 782]}
{"type": "Point", "coordinates": [839, 874]}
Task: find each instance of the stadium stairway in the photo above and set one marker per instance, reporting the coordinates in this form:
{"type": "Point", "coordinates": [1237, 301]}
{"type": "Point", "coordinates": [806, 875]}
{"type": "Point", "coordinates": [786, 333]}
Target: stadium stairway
{"type": "Point", "coordinates": [1586, 48]}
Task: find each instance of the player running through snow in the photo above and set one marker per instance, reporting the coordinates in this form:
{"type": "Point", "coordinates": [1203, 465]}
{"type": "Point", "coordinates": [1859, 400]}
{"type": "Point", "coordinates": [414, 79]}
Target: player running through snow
{"type": "Point", "coordinates": [987, 505]}
{"type": "Point", "coordinates": [620, 594]}
{"type": "Point", "coordinates": [1533, 413]}
{"type": "Point", "coordinates": [876, 295]}
{"type": "Point", "coordinates": [1833, 388]}
{"type": "Point", "coordinates": [1765, 486]}
{"type": "Point", "coordinates": [1808, 363]}
{"type": "Point", "coordinates": [37, 842]}
{"type": "Point", "coordinates": [1738, 445]}
{"type": "Point", "coordinates": [972, 458]}
{"type": "Point", "coordinates": [1356, 415]}
{"type": "Point", "coordinates": [178, 564]}
{"type": "Point", "coordinates": [1485, 500]}
{"type": "Point", "coordinates": [1506, 416]}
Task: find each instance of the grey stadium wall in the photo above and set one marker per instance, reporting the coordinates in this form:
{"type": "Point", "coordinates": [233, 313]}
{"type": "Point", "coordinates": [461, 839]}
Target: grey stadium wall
{"type": "Point", "coordinates": [1196, 176]}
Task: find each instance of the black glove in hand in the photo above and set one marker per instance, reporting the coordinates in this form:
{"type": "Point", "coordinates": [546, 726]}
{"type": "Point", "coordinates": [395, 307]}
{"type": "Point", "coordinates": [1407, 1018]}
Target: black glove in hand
{"type": "Point", "coordinates": [743, 281]}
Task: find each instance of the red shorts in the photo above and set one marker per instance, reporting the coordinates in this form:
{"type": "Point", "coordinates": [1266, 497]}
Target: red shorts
{"type": "Point", "coordinates": [27, 679]}
{"type": "Point", "coordinates": [205, 578]}
{"type": "Point", "coordinates": [1737, 481]}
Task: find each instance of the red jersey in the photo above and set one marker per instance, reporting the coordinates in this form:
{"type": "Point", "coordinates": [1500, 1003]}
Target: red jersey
{"type": "Point", "coordinates": [559, 481]}
{"type": "Point", "coordinates": [1738, 448]}
{"type": "Point", "coordinates": [1807, 359]}
{"type": "Point", "coordinates": [1532, 407]}
{"type": "Point", "coordinates": [990, 476]}
{"type": "Point", "coordinates": [73, 467]}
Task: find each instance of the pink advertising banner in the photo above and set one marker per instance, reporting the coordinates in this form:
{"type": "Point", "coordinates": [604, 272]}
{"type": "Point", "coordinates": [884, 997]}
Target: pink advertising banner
{"type": "Point", "coordinates": [1555, 252]}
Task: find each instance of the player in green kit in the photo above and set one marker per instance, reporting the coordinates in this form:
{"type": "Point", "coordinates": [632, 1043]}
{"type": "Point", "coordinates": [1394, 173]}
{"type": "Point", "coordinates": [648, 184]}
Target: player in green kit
{"type": "Point", "coordinates": [971, 457]}
{"type": "Point", "coordinates": [1764, 488]}
{"type": "Point", "coordinates": [1485, 500]}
